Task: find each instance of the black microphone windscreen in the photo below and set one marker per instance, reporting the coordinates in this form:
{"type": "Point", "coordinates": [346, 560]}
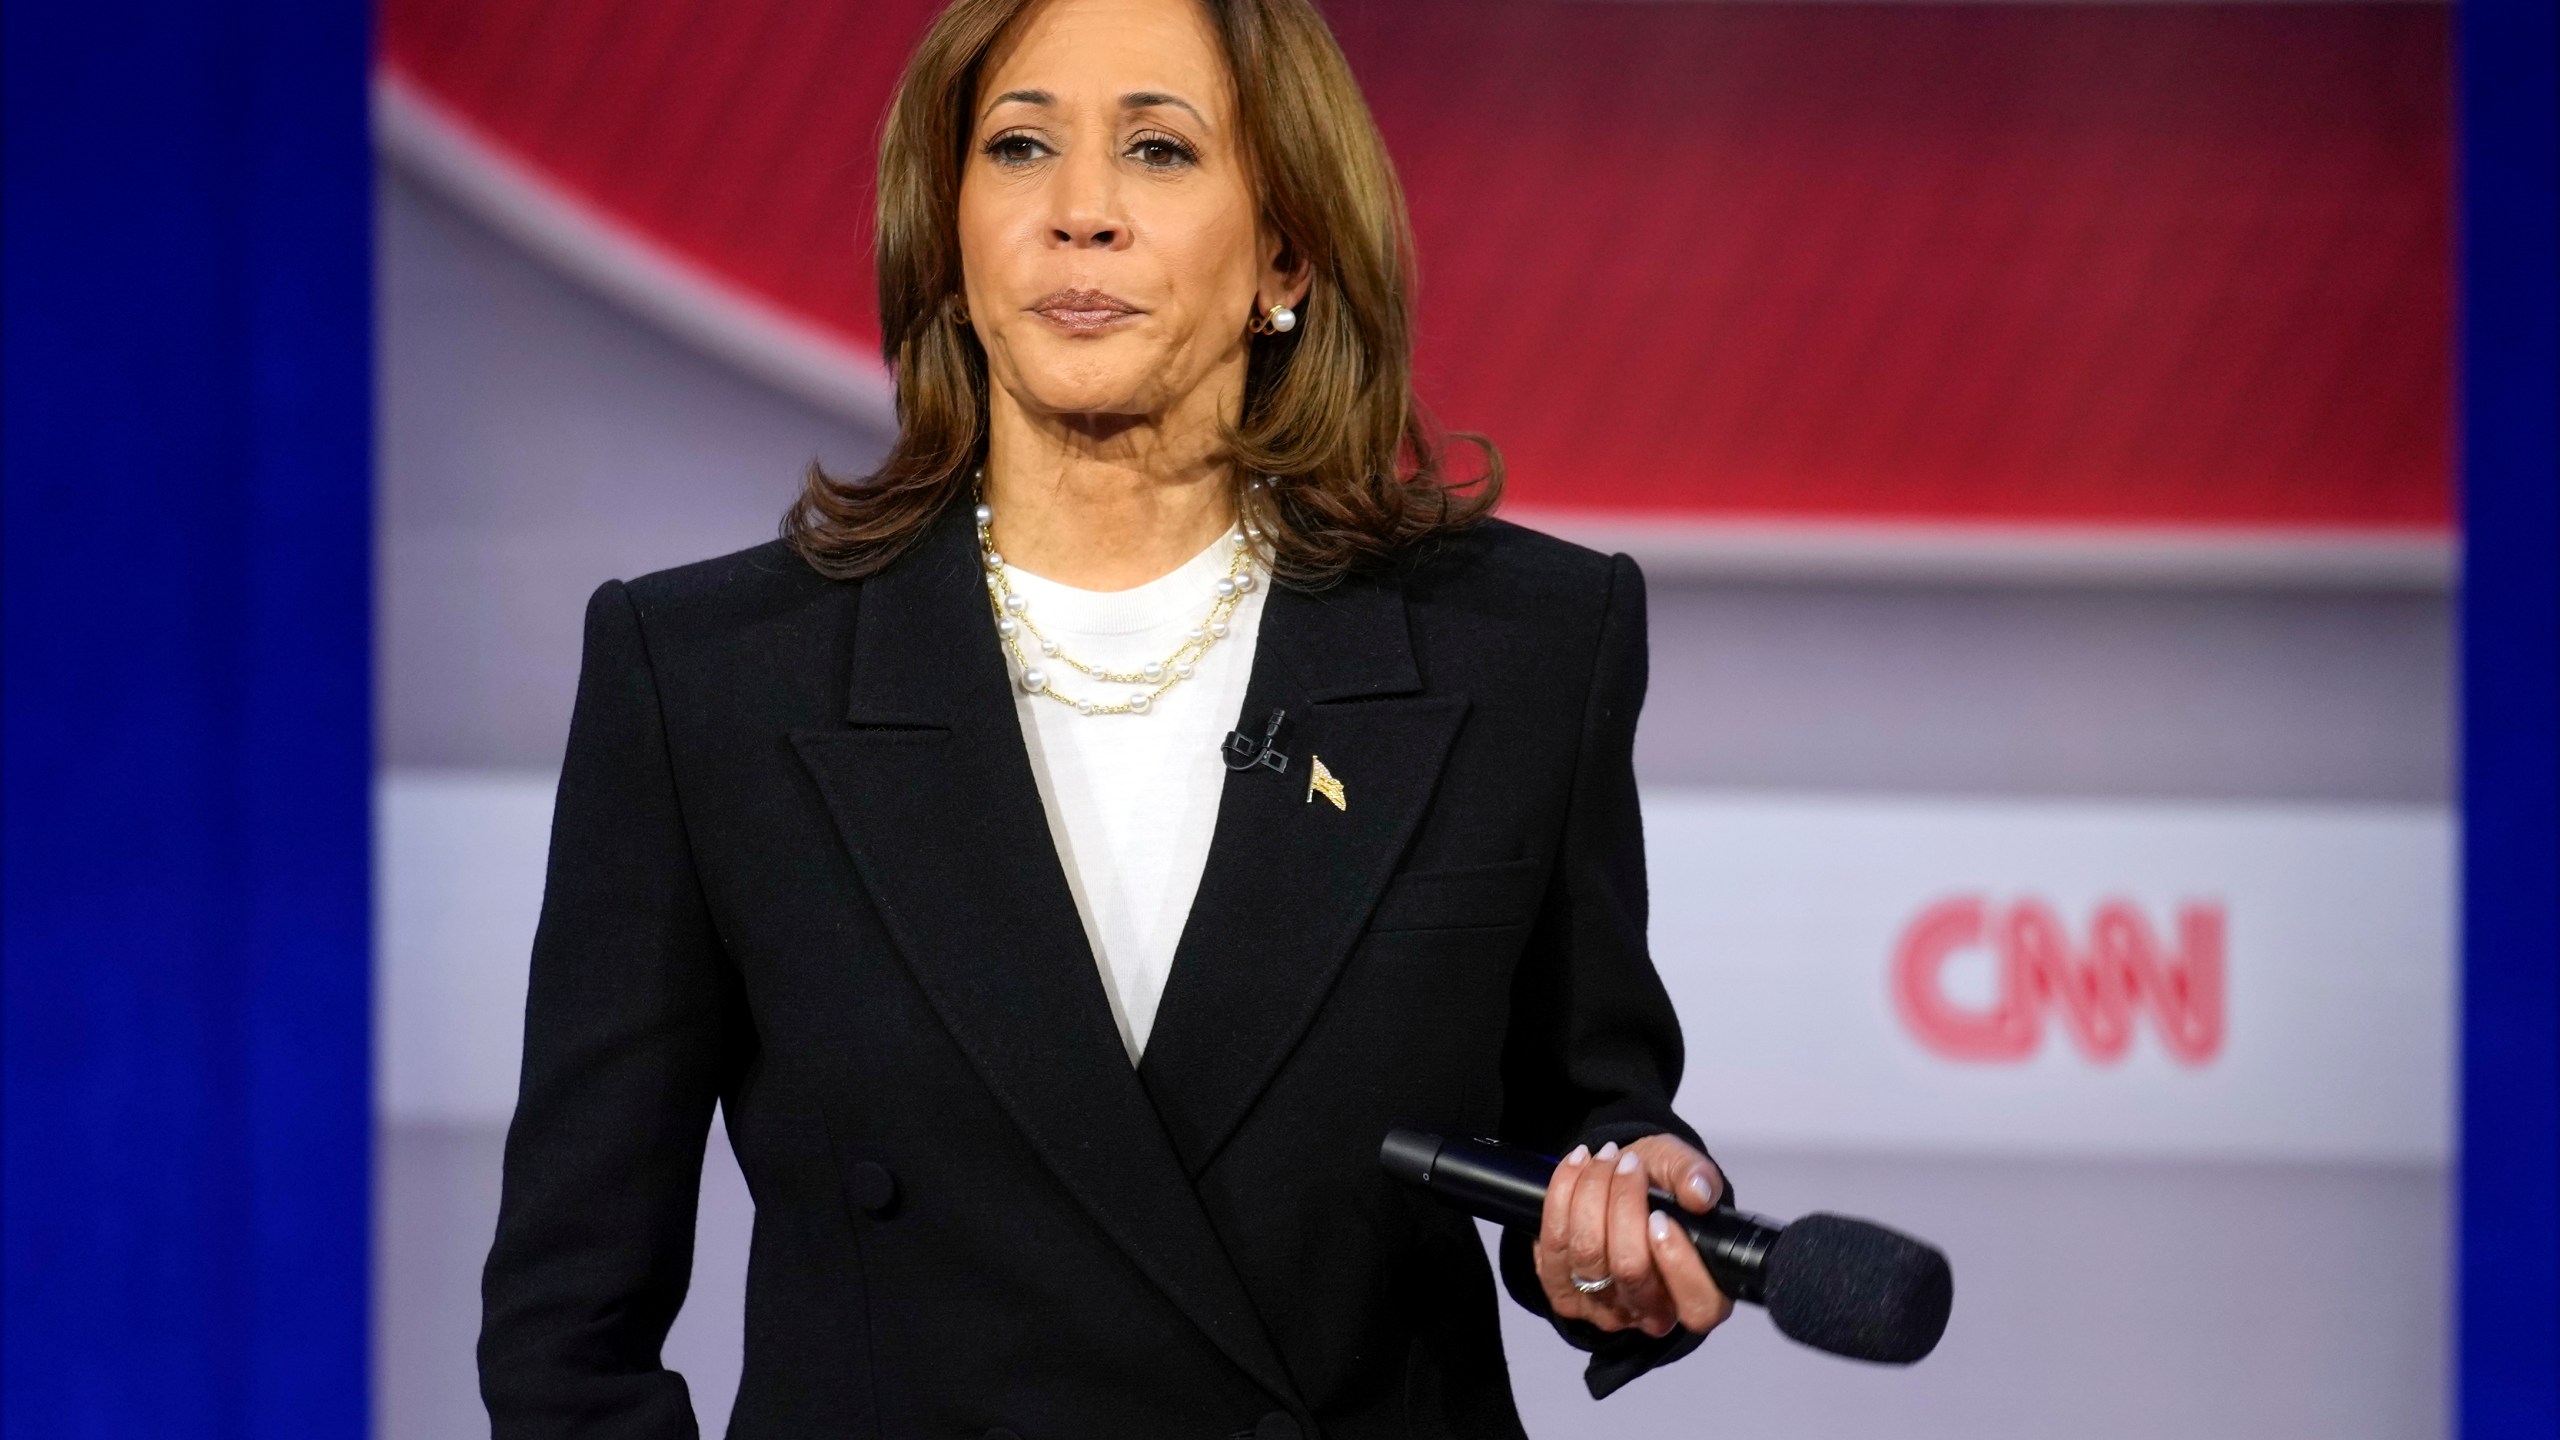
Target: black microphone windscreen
{"type": "Point", "coordinates": [1858, 1289]}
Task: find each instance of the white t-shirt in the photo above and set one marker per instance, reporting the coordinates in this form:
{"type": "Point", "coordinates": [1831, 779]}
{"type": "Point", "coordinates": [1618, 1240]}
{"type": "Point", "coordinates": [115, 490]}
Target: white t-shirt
{"type": "Point", "coordinates": [1132, 800]}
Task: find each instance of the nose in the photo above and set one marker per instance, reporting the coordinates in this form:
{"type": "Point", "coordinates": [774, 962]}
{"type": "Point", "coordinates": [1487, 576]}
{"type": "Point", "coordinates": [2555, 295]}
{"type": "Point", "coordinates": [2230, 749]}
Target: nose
{"type": "Point", "coordinates": [1086, 197]}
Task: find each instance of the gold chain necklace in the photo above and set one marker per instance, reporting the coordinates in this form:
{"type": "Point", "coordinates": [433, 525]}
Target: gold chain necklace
{"type": "Point", "coordinates": [1013, 626]}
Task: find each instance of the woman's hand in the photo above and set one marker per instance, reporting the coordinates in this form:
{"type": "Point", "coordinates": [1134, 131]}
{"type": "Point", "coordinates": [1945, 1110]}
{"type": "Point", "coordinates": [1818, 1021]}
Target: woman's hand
{"type": "Point", "coordinates": [1600, 1227]}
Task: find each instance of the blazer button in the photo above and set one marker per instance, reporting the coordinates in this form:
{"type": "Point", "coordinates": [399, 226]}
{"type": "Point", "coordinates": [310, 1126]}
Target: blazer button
{"type": "Point", "coordinates": [1277, 1426]}
{"type": "Point", "coordinates": [872, 1187]}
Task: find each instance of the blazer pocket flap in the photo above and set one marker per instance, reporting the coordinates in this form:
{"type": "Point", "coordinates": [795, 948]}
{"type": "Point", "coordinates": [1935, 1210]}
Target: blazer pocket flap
{"type": "Point", "coordinates": [1468, 897]}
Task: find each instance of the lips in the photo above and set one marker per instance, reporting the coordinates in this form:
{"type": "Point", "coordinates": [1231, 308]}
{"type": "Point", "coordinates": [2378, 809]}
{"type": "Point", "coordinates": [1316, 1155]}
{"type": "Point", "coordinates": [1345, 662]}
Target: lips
{"type": "Point", "coordinates": [1083, 309]}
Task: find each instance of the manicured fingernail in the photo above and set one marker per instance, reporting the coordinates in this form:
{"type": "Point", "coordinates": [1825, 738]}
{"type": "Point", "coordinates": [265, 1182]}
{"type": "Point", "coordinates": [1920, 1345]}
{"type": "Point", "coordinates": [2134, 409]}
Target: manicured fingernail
{"type": "Point", "coordinates": [1660, 1225]}
{"type": "Point", "coordinates": [1698, 1185]}
{"type": "Point", "coordinates": [1630, 1163]}
{"type": "Point", "coordinates": [1609, 1149]}
{"type": "Point", "coordinates": [1580, 1154]}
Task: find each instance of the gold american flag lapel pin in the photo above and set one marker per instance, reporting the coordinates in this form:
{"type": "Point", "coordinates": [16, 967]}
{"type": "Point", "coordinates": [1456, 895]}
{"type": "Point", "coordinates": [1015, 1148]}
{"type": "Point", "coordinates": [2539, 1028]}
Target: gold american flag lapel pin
{"type": "Point", "coordinates": [1321, 781]}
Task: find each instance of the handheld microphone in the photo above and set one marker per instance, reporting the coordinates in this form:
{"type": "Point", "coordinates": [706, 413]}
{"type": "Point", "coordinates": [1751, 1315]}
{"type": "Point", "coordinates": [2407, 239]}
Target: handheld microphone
{"type": "Point", "coordinates": [1846, 1286]}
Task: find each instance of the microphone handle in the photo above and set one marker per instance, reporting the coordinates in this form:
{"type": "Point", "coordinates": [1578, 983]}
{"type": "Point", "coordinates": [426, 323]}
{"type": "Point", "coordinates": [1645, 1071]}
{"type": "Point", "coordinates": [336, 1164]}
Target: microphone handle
{"type": "Point", "coordinates": [1508, 1185]}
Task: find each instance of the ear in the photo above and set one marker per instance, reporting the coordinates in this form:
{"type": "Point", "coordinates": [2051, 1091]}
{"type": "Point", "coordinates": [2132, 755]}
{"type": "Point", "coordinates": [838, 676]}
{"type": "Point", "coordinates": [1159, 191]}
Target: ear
{"type": "Point", "coordinates": [1286, 277]}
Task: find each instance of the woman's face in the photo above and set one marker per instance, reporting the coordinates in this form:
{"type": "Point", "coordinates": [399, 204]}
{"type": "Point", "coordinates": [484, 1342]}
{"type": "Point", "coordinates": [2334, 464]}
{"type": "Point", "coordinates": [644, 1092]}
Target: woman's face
{"type": "Point", "coordinates": [1110, 237]}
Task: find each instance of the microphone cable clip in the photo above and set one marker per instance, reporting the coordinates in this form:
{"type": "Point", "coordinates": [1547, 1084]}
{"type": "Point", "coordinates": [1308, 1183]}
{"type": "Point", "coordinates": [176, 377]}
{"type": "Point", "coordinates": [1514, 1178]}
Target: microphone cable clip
{"type": "Point", "coordinates": [1243, 752]}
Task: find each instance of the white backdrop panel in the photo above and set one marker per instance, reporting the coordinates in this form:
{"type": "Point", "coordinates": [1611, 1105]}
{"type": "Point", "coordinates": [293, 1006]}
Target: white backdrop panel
{"type": "Point", "coordinates": [458, 861]}
{"type": "Point", "coordinates": [1777, 923]}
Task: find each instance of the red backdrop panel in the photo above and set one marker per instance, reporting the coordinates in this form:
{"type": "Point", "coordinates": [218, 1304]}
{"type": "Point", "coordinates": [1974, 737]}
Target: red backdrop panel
{"type": "Point", "coordinates": [2180, 264]}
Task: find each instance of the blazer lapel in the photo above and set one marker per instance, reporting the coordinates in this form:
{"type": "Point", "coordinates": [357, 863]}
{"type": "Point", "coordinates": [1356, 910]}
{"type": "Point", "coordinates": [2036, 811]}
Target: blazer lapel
{"type": "Point", "coordinates": [931, 788]}
{"type": "Point", "coordinates": [1291, 878]}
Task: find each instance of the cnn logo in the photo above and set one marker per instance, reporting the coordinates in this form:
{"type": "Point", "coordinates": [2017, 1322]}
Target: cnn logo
{"type": "Point", "coordinates": [2096, 984]}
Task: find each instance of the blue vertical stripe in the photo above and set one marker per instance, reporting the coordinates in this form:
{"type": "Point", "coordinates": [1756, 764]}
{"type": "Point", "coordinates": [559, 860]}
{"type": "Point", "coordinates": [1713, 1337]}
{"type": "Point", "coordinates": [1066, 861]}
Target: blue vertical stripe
{"type": "Point", "coordinates": [187, 709]}
{"type": "Point", "coordinates": [2509, 1372]}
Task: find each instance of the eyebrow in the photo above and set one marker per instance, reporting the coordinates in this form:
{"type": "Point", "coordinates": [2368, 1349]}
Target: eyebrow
{"type": "Point", "coordinates": [1022, 97]}
{"type": "Point", "coordinates": [1134, 100]}
{"type": "Point", "coordinates": [1149, 99]}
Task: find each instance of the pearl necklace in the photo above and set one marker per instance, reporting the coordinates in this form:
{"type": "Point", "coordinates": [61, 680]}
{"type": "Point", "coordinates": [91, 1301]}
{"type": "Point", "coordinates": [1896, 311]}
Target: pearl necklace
{"type": "Point", "coordinates": [1013, 623]}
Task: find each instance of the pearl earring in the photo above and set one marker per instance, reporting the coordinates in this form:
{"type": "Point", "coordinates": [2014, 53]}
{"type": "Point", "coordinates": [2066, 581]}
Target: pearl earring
{"type": "Point", "coordinates": [1278, 320]}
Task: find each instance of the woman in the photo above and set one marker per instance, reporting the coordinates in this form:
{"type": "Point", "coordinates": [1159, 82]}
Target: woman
{"type": "Point", "coordinates": [1056, 1027]}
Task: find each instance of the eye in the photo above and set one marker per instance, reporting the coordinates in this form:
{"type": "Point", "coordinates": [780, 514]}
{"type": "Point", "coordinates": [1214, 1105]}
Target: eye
{"type": "Point", "coordinates": [1016, 148]}
{"type": "Point", "coordinates": [1162, 152]}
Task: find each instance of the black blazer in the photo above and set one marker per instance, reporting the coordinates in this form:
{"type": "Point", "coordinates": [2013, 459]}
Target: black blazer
{"type": "Point", "coordinates": [799, 867]}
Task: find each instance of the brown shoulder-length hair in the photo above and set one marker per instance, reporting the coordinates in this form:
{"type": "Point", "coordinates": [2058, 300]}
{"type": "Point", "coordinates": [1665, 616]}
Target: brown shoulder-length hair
{"type": "Point", "coordinates": [1350, 464]}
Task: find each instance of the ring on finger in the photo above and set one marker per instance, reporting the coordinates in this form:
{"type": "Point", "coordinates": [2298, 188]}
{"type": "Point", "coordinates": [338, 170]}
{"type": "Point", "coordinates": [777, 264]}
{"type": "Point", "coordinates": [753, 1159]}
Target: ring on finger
{"type": "Point", "coordinates": [1591, 1287]}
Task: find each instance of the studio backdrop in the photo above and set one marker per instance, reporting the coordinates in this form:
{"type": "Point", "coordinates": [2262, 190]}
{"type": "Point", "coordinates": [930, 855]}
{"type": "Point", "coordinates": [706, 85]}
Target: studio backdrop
{"type": "Point", "coordinates": [2034, 423]}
